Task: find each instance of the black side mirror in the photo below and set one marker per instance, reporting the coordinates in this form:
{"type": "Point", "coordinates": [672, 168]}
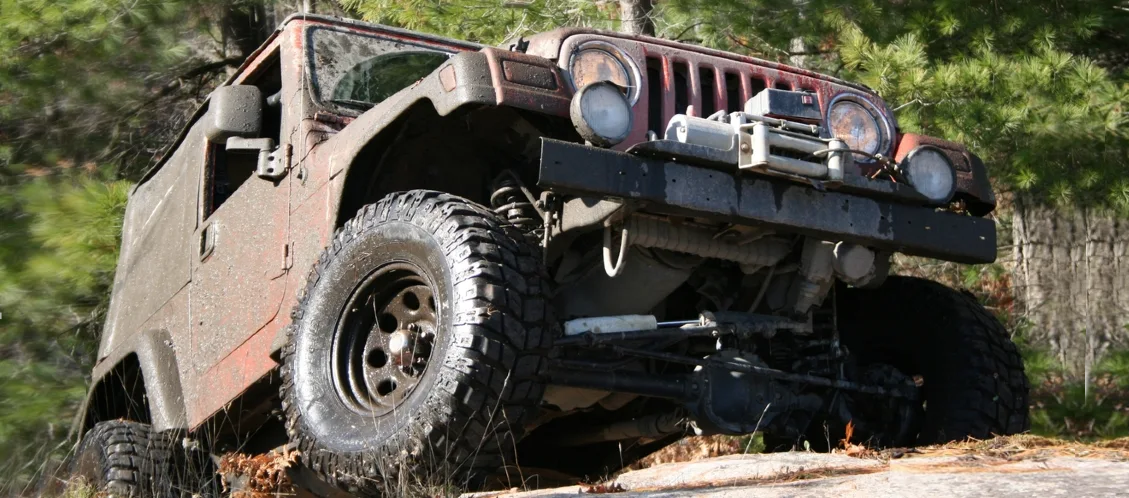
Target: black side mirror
{"type": "Point", "coordinates": [234, 111]}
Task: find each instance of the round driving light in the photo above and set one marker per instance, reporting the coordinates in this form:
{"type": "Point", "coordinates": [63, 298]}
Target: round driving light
{"type": "Point", "coordinates": [931, 173]}
{"type": "Point", "coordinates": [854, 124]}
{"type": "Point", "coordinates": [601, 114]}
{"type": "Point", "coordinates": [597, 61]}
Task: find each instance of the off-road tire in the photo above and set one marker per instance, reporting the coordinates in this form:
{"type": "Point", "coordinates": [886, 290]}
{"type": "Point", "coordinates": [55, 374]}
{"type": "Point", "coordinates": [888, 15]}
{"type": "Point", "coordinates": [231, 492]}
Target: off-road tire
{"type": "Point", "coordinates": [124, 458]}
{"type": "Point", "coordinates": [482, 382]}
{"type": "Point", "coordinates": [974, 382]}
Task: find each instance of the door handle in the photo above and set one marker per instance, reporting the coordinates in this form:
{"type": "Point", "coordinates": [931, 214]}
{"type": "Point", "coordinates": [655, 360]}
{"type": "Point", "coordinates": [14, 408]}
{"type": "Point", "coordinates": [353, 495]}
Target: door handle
{"type": "Point", "coordinates": [207, 241]}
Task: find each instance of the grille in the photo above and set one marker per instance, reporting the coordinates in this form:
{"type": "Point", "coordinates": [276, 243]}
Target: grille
{"type": "Point", "coordinates": [674, 83]}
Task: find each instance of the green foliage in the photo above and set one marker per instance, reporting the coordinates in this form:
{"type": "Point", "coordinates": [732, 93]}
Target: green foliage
{"type": "Point", "coordinates": [1116, 366]}
{"type": "Point", "coordinates": [487, 21]}
{"type": "Point", "coordinates": [89, 91]}
{"type": "Point", "coordinates": [79, 489]}
{"type": "Point", "coordinates": [52, 307]}
{"type": "Point", "coordinates": [1070, 409]}
{"type": "Point", "coordinates": [80, 224]}
{"type": "Point", "coordinates": [73, 74]}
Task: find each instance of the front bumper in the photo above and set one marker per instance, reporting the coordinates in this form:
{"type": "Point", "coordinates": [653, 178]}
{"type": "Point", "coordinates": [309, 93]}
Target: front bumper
{"type": "Point", "coordinates": [708, 190]}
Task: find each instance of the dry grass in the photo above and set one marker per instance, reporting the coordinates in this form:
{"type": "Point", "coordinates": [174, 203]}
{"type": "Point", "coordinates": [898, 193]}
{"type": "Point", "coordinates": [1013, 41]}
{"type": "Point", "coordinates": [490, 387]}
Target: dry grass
{"type": "Point", "coordinates": [1026, 447]}
{"type": "Point", "coordinates": [79, 488]}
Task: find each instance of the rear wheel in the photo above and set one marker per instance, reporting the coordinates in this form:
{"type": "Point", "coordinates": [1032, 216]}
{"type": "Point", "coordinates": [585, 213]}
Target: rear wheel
{"type": "Point", "coordinates": [416, 346]}
{"type": "Point", "coordinates": [971, 374]}
{"type": "Point", "coordinates": [124, 458]}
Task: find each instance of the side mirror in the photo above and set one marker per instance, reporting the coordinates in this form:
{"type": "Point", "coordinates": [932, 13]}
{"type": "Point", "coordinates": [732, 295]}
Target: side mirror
{"type": "Point", "coordinates": [234, 111]}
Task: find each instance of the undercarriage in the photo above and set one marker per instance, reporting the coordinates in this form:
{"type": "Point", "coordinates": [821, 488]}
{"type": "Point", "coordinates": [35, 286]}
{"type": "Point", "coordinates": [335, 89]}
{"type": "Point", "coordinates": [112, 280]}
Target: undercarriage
{"type": "Point", "coordinates": [676, 325]}
{"type": "Point", "coordinates": [689, 305]}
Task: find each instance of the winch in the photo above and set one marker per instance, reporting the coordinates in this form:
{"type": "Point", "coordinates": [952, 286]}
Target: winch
{"type": "Point", "coordinates": [769, 143]}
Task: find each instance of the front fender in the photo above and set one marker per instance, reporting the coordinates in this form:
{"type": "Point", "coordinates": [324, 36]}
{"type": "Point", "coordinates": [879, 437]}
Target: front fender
{"type": "Point", "coordinates": [489, 77]}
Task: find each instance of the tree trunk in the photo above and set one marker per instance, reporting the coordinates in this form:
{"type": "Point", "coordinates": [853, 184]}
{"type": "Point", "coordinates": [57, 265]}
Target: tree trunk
{"type": "Point", "coordinates": [635, 17]}
{"type": "Point", "coordinates": [246, 27]}
{"type": "Point", "coordinates": [1072, 281]}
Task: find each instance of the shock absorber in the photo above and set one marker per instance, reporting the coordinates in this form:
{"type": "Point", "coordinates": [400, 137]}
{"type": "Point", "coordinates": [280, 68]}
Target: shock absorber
{"type": "Point", "coordinates": [515, 203]}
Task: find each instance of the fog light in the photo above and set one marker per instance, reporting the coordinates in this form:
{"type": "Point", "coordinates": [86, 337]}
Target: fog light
{"type": "Point", "coordinates": [931, 173]}
{"type": "Point", "coordinates": [601, 114]}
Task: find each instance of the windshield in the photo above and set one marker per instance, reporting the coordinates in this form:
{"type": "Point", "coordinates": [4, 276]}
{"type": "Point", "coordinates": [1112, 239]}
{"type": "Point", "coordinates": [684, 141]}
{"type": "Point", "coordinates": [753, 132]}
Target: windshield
{"type": "Point", "coordinates": [353, 72]}
{"type": "Point", "coordinates": [379, 77]}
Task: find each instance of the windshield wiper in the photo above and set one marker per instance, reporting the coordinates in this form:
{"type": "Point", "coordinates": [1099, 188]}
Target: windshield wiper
{"type": "Point", "coordinates": [356, 104]}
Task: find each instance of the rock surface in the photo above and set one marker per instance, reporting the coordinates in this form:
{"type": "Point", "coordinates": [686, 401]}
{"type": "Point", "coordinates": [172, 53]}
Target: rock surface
{"type": "Point", "coordinates": [841, 476]}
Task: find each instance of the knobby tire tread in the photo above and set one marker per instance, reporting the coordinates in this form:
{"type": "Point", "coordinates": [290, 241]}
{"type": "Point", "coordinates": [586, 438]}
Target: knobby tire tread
{"type": "Point", "coordinates": [135, 461]}
{"type": "Point", "coordinates": [974, 377]}
{"type": "Point", "coordinates": [503, 327]}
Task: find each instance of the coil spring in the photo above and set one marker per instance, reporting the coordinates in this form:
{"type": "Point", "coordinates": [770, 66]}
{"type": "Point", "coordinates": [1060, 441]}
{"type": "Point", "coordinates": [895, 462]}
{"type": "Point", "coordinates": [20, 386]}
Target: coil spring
{"type": "Point", "coordinates": [510, 202]}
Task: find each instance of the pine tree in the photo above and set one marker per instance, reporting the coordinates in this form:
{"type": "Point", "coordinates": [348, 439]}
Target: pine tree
{"type": "Point", "coordinates": [90, 91]}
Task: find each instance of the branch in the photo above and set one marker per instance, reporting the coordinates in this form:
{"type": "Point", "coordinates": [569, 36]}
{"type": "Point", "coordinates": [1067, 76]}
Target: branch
{"type": "Point", "coordinates": [736, 40]}
{"type": "Point", "coordinates": [211, 67]}
{"type": "Point", "coordinates": [177, 82]}
{"type": "Point", "coordinates": [687, 30]}
{"type": "Point", "coordinates": [811, 52]}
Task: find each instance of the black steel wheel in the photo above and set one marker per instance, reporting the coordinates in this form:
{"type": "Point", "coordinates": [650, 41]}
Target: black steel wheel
{"type": "Point", "coordinates": [385, 338]}
{"type": "Point", "coordinates": [416, 346]}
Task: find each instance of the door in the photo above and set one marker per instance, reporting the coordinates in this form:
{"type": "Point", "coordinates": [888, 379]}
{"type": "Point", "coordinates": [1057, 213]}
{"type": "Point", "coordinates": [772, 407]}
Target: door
{"type": "Point", "coordinates": [240, 248]}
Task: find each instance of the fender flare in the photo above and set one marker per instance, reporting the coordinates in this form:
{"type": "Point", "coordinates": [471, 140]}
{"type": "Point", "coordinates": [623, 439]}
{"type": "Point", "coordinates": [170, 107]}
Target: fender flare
{"type": "Point", "coordinates": [155, 354]}
{"type": "Point", "coordinates": [489, 77]}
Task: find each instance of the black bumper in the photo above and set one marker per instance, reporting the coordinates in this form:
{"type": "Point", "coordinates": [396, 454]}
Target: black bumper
{"type": "Point", "coordinates": [681, 189]}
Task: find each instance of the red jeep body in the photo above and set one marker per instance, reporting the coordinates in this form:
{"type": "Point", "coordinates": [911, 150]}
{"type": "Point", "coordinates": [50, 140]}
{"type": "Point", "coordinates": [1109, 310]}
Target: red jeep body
{"type": "Point", "coordinates": [218, 242]}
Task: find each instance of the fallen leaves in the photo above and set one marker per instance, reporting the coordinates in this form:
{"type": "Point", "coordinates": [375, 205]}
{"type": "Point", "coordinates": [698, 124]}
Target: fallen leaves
{"type": "Point", "coordinates": [849, 448]}
{"type": "Point", "coordinates": [259, 476]}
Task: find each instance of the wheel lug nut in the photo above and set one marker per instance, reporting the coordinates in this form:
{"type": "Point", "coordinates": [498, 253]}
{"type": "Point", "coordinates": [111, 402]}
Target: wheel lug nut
{"type": "Point", "coordinates": [400, 343]}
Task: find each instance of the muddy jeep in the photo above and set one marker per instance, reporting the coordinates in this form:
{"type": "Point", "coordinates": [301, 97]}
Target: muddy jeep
{"type": "Point", "coordinates": [407, 255]}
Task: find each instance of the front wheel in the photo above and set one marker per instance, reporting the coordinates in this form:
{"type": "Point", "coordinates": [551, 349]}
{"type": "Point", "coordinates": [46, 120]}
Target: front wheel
{"type": "Point", "coordinates": [971, 373]}
{"type": "Point", "coordinates": [416, 346]}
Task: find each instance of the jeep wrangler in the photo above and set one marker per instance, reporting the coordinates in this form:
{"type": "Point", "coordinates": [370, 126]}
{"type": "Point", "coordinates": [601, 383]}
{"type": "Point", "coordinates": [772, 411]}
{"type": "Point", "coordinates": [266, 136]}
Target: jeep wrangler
{"type": "Point", "coordinates": [403, 254]}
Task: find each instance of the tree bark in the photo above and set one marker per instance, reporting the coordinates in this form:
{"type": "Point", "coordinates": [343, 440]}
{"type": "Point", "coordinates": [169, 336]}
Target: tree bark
{"type": "Point", "coordinates": [1071, 281]}
{"type": "Point", "coordinates": [635, 17]}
